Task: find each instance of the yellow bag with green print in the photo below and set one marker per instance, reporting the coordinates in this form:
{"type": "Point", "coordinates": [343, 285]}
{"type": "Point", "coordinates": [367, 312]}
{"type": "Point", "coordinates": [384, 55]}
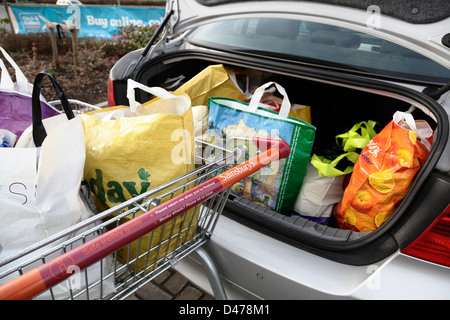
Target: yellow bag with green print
{"type": "Point", "coordinates": [130, 150]}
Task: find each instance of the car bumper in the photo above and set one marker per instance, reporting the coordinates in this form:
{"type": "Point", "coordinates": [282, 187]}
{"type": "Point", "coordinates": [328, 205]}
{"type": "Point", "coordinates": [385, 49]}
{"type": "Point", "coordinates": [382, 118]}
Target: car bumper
{"type": "Point", "coordinates": [255, 266]}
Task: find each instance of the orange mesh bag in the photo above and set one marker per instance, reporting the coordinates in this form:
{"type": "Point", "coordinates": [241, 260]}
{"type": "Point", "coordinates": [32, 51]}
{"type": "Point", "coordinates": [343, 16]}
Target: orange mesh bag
{"type": "Point", "coordinates": [383, 174]}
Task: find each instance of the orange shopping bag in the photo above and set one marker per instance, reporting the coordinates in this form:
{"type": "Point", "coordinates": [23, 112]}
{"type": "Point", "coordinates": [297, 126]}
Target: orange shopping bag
{"type": "Point", "coordinates": [384, 173]}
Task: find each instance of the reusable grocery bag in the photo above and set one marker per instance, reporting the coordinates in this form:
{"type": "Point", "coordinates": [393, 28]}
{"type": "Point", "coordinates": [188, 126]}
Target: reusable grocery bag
{"type": "Point", "coordinates": [298, 111]}
{"type": "Point", "coordinates": [217, 81]}
{"type": "Point", "coordinates": [383, 174]}
{"type": "Point", "coordinates": [326, 177]}
{"type": "Point", "coordinates": [357, 137]}
{"type": "Point", "coordinates": [130, 150]}
{"type": "Point", "coordinates": [277, 185]}
{"type": "Point", "coordinates": [40, 181]}
{"type": "Point", "coordinates": [321, 191]}
{"type": "Point", "coordinates": [15, 100]}
{"type": "Point", "coordinates": [213, 81]}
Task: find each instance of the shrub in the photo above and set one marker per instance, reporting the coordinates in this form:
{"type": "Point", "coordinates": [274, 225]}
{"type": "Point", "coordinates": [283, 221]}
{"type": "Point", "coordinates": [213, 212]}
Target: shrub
{"type": "Point", "coordinates": [4, 22]}
{"type": "Point", "coordinates": [91, 51]}
{"type": "Point", "coordinates": [135, 37]}
{"type": "Point", "coordinates": [23, 43]}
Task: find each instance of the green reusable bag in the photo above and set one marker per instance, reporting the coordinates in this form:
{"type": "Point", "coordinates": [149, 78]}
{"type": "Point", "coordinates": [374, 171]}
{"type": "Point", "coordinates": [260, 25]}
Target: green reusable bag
{"type": "Point", "coordinates": [277, 185]}
{"type": "Point", "coordinates": [326, 167]}
{"type": "Point", "coordinates": [325, 179]}
{"type": "Point", "coordinates": [351, 142]}
{"type": "Point", "coordinates": [357, 137]}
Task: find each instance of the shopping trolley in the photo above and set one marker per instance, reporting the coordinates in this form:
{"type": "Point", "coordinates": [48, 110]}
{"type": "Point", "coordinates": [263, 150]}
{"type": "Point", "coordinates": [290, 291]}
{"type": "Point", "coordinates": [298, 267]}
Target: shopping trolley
{"type": "Point", "coordinates": [77, 106]}
{"type": "Point", "coordinates": [195, 200]}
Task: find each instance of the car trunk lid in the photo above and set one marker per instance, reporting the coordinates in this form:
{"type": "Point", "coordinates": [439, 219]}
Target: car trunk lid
{"type": "Point", "coordinates": [415, 25]}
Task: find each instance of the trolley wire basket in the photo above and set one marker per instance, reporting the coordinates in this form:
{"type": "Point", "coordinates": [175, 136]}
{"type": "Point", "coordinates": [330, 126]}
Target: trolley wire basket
{"type": "Point", "coordinates": [94, 259]}
{"type": "Point", "coordinates": [77, 106]}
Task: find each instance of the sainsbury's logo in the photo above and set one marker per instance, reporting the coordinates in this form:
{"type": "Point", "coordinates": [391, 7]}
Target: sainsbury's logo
{"type": "Point", "coordinates": [238, 170]}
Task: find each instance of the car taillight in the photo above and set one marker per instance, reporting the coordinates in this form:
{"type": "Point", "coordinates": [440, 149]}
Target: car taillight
{"type": "Point", "coordinates": [111, 100]}
{"type": "Point", "coordinates": [434, 243]}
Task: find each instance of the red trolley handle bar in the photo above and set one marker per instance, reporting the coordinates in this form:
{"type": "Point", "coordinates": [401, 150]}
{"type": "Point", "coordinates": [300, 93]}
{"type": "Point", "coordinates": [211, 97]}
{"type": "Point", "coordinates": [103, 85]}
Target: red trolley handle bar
{"type": "Point", "coordinates": [51, 273]}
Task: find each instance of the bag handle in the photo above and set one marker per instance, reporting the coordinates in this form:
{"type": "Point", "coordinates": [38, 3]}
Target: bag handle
{"type": "Point", "coordinates": [21, 80]}
{"type": "Point", "coordinates": [39, 132]}
{"type": "Point", "coordinates": [326, 167]}
{"type": "Point", "coordinates": [5, 80]}
{"type": "Point", "coordinates": [156, 91]}
{"type": "Point", "coordinates": [353, 140]}
{"type": "Point", "coordinates": [257, 96]}
{"type": "Point", "coordinates": [399, 117]}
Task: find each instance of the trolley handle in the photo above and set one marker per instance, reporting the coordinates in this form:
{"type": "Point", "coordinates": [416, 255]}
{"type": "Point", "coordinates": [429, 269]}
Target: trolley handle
{"type": "Point", "coordinates": [53, 272]}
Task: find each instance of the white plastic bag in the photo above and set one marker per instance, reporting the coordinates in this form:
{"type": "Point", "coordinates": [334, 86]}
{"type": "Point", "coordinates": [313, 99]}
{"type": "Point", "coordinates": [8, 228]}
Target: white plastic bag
{"type": "Point", "coordinates": [40, 187]}
{"type": "Point", "coordinates": [318, 195]}
{"type": "Point", "coordinates": [40, 183]}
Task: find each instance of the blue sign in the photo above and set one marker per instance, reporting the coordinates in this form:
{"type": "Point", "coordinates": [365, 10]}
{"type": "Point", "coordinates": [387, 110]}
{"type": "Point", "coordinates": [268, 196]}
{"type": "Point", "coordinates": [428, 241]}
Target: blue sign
{"type": "Point", "coordinates": [101, 22]}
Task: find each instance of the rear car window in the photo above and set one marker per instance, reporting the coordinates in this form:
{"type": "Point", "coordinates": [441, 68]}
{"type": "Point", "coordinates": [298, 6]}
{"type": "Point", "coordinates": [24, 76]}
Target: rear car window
{"type": "Point", "coordinates": [320, 43]}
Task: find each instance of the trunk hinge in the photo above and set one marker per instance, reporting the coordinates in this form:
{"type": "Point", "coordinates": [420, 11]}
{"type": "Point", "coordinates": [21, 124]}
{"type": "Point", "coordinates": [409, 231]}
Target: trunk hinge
{"type": "Point", "coordinates": [436, 93]}
{"type": "Point", "coordinates": [153, 40]}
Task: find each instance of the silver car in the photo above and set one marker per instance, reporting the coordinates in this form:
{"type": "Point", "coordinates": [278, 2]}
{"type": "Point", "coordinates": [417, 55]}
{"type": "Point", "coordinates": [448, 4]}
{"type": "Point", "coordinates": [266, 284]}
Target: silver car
{"type": "Point", "coordinates": [350, 61]}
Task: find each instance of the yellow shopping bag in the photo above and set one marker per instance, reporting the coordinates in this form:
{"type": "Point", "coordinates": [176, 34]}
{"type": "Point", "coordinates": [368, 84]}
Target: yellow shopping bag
{"type": "Point", "coordinates": [213, 81]}
{"type": "Point", "coordinates": [130, 150]}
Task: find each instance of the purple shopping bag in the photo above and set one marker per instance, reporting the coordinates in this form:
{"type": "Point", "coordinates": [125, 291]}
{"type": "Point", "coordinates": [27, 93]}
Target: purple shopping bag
{"type": "Point", "coordinates": [15, 99]}
{"type": "Point", "coordinates": [15, 111]}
